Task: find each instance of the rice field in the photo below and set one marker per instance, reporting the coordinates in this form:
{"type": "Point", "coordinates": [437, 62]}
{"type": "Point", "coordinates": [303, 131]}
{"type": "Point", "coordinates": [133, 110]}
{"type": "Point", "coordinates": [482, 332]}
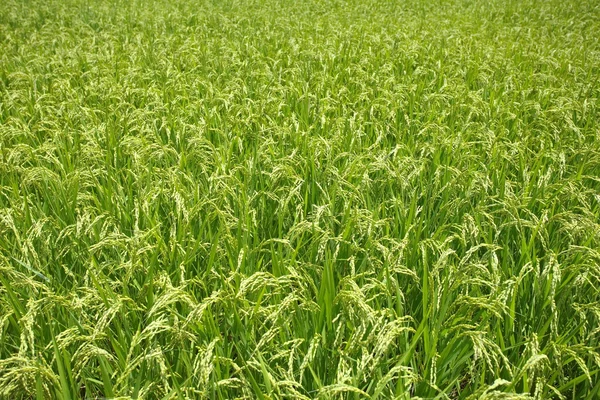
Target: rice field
{"type": "Point", "coordinates": [320, 199]}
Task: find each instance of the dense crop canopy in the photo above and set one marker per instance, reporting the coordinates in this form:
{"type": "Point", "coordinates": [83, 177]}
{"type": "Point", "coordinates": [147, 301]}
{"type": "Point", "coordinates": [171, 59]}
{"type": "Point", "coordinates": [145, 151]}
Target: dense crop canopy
{"type": "Point", "coordinates": [300, 199]}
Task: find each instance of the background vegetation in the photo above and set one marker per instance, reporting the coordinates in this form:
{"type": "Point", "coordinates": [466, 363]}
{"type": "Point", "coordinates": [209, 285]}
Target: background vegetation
{"type": "Point", "coordinates": [299, 199]}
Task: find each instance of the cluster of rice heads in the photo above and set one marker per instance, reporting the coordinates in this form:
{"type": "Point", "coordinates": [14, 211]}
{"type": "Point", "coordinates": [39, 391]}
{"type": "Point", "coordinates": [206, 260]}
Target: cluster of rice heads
{"type": "Point", "coordinates": [274, 199]}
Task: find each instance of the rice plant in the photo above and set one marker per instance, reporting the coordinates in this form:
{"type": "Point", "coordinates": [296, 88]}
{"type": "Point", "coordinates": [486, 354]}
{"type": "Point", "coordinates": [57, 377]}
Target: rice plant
{"type": "Point", "coordinates": [321, 199]}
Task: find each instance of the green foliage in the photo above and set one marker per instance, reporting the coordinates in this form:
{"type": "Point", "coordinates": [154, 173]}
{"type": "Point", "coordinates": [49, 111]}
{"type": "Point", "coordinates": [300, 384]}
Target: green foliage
{"type": "Point", "coordinates": [299, 199]}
